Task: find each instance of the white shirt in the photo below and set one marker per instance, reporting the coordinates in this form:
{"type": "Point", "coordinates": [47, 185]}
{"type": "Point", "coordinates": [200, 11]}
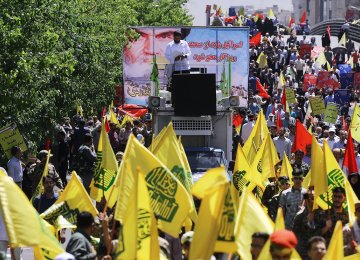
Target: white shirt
{"type": "Point", "coordinates": [332, 141]}
{"type": "Point", "coordinates": [246, 130]}
{"type": "Point", "coordinates": [15, 169]}
{"type": "Point", "coordinates": [282, 145]}
{"type": "Point", "coordinates": [175, 49]}
{"type": "Point", "coordinates": [339, 144]}
{"type": "Point", "coordinates": [299, 64]}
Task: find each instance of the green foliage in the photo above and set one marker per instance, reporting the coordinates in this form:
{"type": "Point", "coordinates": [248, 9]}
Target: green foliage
{"type": "Point", "coordinates": [55, 52]}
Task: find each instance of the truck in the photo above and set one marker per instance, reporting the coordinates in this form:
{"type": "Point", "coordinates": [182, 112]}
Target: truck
{"type": "Point", "coordinates": [207, 140]}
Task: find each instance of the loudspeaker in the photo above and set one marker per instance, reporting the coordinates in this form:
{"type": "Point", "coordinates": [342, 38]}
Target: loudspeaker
{"type": "Point", "coordinates": [194, 94]}
{"type": "Point", "coordinates": [155, 102]}
{"type": "Point", "coordinates": [234, 101]}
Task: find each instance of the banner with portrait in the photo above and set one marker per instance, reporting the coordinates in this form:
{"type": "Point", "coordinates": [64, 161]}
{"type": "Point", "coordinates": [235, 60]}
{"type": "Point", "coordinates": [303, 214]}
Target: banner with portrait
{"type": "Point", "coordinates": [211, 49]}
{"type": "Point", "coordinates": [309, 81]}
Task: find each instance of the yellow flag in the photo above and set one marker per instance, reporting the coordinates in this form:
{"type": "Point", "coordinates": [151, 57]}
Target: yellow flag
{"type": "Point", "coordinates": [243, 173]}
{"type": "Point", "coordinates": [321, 59]}
{"type": "Point", "coordinates": [251, 218]}
{"type": "Point", "coordinates": [355, 123]}
{"type": "Point", "coordinates": [351, 199]}
{"type": "Point", "coordinates": [40, 188]}
{"type": "Point", "coordinates": [257, 136]}
{"type": "Point", "coordinates": [271, 14]}
{"type": "Point", "coordinates": [169, 153]}
{"type": "Point", "coordinates": [79, 110]}
{"type": "Point", "coordinates": [279, 221]}
{"type": "Point", "coordinates": [157, 139]}
{"type": "Point", "coordinates": [105, 171]}
{"type": "Point", "coordinates": [336, 246]}
{"type": "Point", "coordinates": [62, 223]}
{"type": "Point", "coordinates": [71, 202]}
{"type": "Point", "coordinates": [125, 119]}
{"type": "Point", "coordinates": [212, 189]}
{"type": "Point", "coordinates": [328, 66]}
{"type": "Point", "coordinates": [225, 241]}
{"type": "Point", "coordinates": [319, 177]}
{"type": "Point", "coordinates": [286, 168]}
{"type": "Point", "coordinates": [185, 160]}
{"type": "Point", "coordinates": [307, 181]}
{"type": "Point", "coordinates": [269, 159]}
{"type": "Point", "coordinates": [23, 224]}
{"type": "Point", "coordinates": [256, 167]}
{"type": "Point", "coordinates": [336, 178]}
{"type": "Point", "coordinates": [262, 60]}
{"type": "Point", "coordinates": [351, 62]}
{"type": "Point", "coordinates": [169, 199]}
{"type": "Point", "coordinates": [282, 80]}
{"type": "Point", "coordinates": [143, 242]}
{"type": "Point", "coordinates": [113, 118]}
{"type": "Point", "coordinates": [343, 40]}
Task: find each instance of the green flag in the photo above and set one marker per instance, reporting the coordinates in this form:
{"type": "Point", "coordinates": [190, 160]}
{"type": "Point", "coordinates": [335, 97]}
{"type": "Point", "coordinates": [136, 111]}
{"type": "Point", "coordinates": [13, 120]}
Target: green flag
{"type": "Point", "coordinates": [154, 77]}
{"type": "Point", "coordinates": [229, 81]}
{"type": "Point", "coordinates": [223, 82]}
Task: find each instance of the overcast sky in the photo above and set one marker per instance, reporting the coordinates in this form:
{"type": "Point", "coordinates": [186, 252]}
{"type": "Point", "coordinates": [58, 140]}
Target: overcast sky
{"type": "Point", "coordinates": [197, 7]}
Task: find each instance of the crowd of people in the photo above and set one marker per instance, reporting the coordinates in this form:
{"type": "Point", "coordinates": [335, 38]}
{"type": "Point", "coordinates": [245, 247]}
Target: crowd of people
{"type": "Point", "coordinates": [76, 144]}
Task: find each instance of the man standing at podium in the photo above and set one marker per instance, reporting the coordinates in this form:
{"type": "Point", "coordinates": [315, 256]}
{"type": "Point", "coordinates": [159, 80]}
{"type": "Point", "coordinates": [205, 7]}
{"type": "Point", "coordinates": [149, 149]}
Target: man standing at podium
{"type": "Point", "coordinates": [177, 53]}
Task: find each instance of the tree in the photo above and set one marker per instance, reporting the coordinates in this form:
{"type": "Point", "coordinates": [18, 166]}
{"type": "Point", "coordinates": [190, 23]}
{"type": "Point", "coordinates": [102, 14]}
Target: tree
{"type": "Point", "coordinates": [55, 53]}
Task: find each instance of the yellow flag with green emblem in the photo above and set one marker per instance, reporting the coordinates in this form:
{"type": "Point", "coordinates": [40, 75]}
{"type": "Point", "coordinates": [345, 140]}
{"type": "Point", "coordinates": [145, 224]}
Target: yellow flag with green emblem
{"type": "Point", "coordinates": [336, 178]}
{"type": "Point", "coordinates": [243, 175]}
{"type": "Point", "coordinates": [23, 224]}
{"type": "Point", "coordinates": [355, 123]}
{"type": "Point", "coordinates": [251, 218]}
{"type": "Point", "coordinates": [336, 245]}
{"type": "Point", "coordinates": [257, 136]}
{"type": "Point", "coordinates": [169, 153]}
{"type": "Point", "coordinates": [113, 118]}
{"type": "Point", "coordinates": [40, 188]}
{"type": "Point", "coordinates": [71, 202]}
{"type": "Point", "coordinates": [105, 171]}
{"type": "Point", "coordinates": [169, 199]}
{"type": "Point", "coordinates": [138, 238]}
{"type": "Point", "coordinates": [212, 189]}
{"type": "Point", "coordinates": [319, 178]}
{"type": "Point", "coordinates": [269, 160]}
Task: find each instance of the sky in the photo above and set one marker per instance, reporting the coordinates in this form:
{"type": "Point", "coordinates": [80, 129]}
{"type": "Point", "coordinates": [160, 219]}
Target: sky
{"type": "Point", "coordinates": [197, 7]}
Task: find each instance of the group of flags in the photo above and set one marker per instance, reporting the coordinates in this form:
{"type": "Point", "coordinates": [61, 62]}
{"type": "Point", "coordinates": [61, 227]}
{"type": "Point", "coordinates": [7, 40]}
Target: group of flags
{"type": "Point", "coordinates": [158, 181]}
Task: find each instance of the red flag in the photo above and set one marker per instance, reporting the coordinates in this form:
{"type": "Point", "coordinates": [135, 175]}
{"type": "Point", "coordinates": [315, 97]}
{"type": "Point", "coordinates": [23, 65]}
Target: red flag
{"type": "Point", "coordinates": [345, 126]}
{"type": "Point", "coordinates": [303, 18]}
{"type": "Point", "coordinates": [283, 99]}
{"type": "Point", "coordinates": [47, 144]}
{"type": "Point", "coordinates": [292, 20]}
{"type": "Point", "coordinates": [349, 158]}
{"type": "Point", "coordinates": [278, 120]}
{"type": "Point", "coordinates": [328, 31]}
{"type": "Point", "coordinates": [107, 126]}
{"type": "Point", "coordinates": [262, 91]}
{"type": "Point", "coordinates": [255, 40]}
{"type": "Point", "coordinates": [103, 113]}
{"type": "Point", "coordinates": [237, 120]}
{"type": "Point", "coordinates": [302, 138]}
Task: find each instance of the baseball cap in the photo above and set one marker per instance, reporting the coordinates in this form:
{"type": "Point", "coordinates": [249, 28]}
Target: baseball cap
{"type": "Point", "coordinates": [284, 238]}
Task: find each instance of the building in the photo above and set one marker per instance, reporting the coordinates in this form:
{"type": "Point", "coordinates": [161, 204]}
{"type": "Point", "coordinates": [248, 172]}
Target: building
{"type": "Point", "coordinates": [322, 10]}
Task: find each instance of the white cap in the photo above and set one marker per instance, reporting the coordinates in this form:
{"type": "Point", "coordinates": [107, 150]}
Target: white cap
{"type": "Point", "coordinates": [332, 129]}
{"type": "Point", "coordinates": [65, 256]}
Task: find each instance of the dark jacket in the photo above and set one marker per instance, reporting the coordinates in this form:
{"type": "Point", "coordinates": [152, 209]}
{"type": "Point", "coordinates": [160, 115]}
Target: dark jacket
{"type": "Point", "coordinates": [80, 247]}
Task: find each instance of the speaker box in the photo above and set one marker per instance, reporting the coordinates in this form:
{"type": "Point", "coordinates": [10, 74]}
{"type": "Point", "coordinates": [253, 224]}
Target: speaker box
{"type": "Point", "coordinates": [194, 94]}
{"type": "Point", "coordinates": [155, 102]}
